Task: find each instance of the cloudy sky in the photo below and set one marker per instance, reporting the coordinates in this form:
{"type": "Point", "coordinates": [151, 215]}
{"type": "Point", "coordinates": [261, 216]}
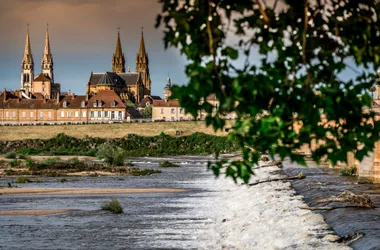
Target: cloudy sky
{"type": "Point", "coordinates": [83, 37]}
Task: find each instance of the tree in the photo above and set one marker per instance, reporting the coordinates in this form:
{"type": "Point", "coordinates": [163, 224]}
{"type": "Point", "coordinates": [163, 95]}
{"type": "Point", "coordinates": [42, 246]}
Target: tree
{"type": "Point", "coordinates": [147, 112]}
{"type": "Point", "coordinates": [295, 93]}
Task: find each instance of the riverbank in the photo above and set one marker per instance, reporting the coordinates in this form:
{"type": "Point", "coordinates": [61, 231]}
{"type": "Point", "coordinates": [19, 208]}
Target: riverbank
{"type": "Point", "coordinates": [363, 224]}
{"type": "Point", "coordinates": [77, 191]}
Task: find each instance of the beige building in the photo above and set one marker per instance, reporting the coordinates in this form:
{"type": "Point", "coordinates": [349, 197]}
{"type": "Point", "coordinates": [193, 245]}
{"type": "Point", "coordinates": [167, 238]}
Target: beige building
{"type": "Point", "coordinates": [106, 105]}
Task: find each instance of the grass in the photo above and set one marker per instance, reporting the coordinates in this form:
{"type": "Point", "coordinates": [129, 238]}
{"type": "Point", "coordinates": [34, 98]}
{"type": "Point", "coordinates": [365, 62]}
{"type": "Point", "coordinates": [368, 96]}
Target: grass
{"type": "Point", "coordinates": [22, 180]}
{"type": "Point", "coordinates": [142, 172]}
{"type": "Point", "coordinates": [10, 155]}
{"type": "Point", "coordinates": [112, 206]}
{"type": "Point", "coordinates": [168, 164]}
{"type": "Point", "coordinates": [11, 133]}
{"type": "Point", "coordinates": [349, 171]}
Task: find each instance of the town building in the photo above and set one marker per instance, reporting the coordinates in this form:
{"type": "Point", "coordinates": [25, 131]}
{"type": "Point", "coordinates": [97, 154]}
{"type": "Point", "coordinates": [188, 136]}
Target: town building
{"type": "Point", "coordinates": [43, 85]}
{"type": "Point", "coordinates": [128, 85]}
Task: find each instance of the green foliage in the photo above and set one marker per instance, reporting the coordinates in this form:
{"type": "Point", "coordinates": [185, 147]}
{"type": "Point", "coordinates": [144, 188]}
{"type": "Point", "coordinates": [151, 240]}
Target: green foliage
{"type": "Point", "coordinates": [167, 164]}
{"type": "Point", "coordinates": [10, 155]}
{"type": "Point", "coordinates": [15, 163]}
{"type": "Point", "coordinates": [349, 171]}
{"type": "Point", "coordinates": [28, 163]}
{"type": "Point", "coordinates": [131, 104]}
{"type": "Point", "coordinates": [110, 155]}
{"type": "Point", "coordinates": [287, 97]}
{"type": "Point", "coordinates": [22, 180]}
{"type": "Point", "coordinates": [147, 112]}
{"type": "Point", "coordinates": [113, 206]}
{"type": "Point", "coordinates": [142, 172]}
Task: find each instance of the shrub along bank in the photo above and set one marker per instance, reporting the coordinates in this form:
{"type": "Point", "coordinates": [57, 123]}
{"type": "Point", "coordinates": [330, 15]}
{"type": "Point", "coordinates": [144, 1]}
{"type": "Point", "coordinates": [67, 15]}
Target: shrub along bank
{"type": "Point", "coordinates": [132, 145]}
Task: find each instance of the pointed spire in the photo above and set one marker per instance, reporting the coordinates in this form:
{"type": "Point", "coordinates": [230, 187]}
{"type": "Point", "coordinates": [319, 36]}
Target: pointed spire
{"type": "Point", "coordinates": [142, 51]}
{"type": "Point", "coordinates": [47, 42]}
{"type": "Point", "coordinates": [118, 61]}
{"type": "Point", "coordinates": [28, 50]}
{"type": "Point", "coordinates": [118, 50]}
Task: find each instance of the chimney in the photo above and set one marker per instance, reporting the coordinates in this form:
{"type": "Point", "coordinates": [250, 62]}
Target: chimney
{"type": "Point", "coordinates": [5, 95]}
{"type": "Point", "coordinates": [57, 99]}
{"type": "Point", "coordinates": [72, 96]}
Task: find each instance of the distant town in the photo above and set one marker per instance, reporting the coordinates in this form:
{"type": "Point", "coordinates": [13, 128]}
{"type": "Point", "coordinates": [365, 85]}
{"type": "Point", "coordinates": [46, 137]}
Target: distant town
{"type": "Point", "coordinates": [120, 95]}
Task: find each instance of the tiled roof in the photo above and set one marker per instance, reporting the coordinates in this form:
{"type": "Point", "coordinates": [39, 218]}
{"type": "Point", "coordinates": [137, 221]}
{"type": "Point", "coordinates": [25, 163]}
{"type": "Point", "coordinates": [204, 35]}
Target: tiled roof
{"type": "Point", "coordinates": [42, 78]}
{"type": "Point", "coordinates": [163, 103]}
{"type": "Point", "coordinates": [29, 104]}
{"type": "Point", "coordinates": [111, 78]}
{"type": "Point", "coordinates": [107, 97]}
{"type": "Point", "coordinates": [38, 96]}
{"type": "Point", "coordinates": [133, 112]}
{"type": "Point", "coordinates": [72, 101]}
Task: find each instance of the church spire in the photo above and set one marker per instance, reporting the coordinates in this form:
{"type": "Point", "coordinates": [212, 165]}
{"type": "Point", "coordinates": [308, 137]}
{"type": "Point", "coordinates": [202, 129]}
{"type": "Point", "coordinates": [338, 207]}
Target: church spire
{"type": "Point", "coordinates": [27, 65]}
{"type": "Point", "coordinates": [47, 42]}
{"type": "Point", "coordinates": [142, 65]}
{"type": "Point", "coordinates": [118, 61]}
{"type": "Point", "coordinates": [47, 58]}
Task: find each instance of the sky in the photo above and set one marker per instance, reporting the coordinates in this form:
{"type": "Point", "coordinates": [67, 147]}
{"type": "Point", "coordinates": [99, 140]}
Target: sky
{"type": "Point", "coordinates": [83, 37]}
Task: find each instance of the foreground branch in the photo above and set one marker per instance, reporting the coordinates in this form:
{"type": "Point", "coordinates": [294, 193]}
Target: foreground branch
{"type": "Point", "coordinates": [297, 177]}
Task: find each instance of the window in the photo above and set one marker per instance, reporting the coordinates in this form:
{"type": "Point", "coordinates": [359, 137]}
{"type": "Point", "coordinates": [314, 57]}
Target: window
{"type": "Point", "coordinates": [43, 89]}
{"type": "Point", "coordinates": [84, 114]}
{"type": "Point", "coordinates": [95, 114]}
{"type": "Point", "coordinates": [99, 114]}
{"type": "Point", "coordinates": [113, 104]}
{"type": "Point", "coordinates": [49, 115]}
{"type": "Point", "coordinates": [63, 114]}
{"type": "Point", "coordinates": [120, 115]}
{"type": "Point", "coordinates": [106, 113]}
{"type": "Point", "coordinates": [76, 114]}
{"type": "Point", "coordinates": [99, 103]}
{"type": "Point", "coordinates": [172, 111]}
{"type": "Point", "coordinates": [94, 104]}
{"type": "Point", "coordinates": [23, 115]}
{"type": "Point", "coordinates": [14, 114]}
{"type": "Point", "coordinates": [7, 114]}
{"type": "Point", "coordinates": [68, 114]}
{"type": "Point", "coordinates": [92, 113]}
{"type": "Point", "coordinates": [41, 114]}
{"type": "Point", "coordinates": [181, 111]}
{"type": "Point", "coordinates": [64, 104]}
{"type": "Point", "coordinates": [31, 114]}
{"type": "Point", "coordinates": [162, 111]}
{"type": "Point", "coordinates": [83, 104]}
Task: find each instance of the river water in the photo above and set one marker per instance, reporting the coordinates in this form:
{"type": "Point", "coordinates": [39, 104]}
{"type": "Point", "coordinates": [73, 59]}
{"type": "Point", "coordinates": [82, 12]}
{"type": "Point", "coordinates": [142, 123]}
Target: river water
{"type": "Point", "coordinates": [163, 220]}
{"type": "Point", "coordinates": [149, 221]}
{"type": "Point", "coordinates": [321, 183]}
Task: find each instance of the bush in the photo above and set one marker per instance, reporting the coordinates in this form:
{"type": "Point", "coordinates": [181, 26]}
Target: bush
{"type": "Point", "coordinates": [113, 206]}
{"type": "Point", "coordinates": [167, 164]}
{"type": "Point", "coordinates": [10, 155]}
{"type": "Point", "coordinates": [14, 163]}
{"type": "Point", "coordinates": [110, 155]}
{"type": "Point", "coordinates": [349, 171]}
{"type": "Point", "coordinates": [22, 180]}
{"type": "Point", "coordinates": [28, 163]}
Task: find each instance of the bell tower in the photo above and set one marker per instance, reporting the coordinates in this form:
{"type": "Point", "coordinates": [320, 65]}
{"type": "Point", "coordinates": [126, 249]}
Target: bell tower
{"type": "Point", "coordinates": [47, 58]}
{"type": "Point", "coordinates": [118, 60]}
{"type": "Point", "coordinates": [142, 65]}
{"type": "Point", "coordinates": [27, 66]}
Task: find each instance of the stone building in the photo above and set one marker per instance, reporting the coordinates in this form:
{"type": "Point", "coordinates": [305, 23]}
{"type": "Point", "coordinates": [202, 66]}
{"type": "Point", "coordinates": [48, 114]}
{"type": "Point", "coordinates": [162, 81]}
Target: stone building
{"type": "Point", "coordinates": [105, 105]}
{"type": "Point", "coordinates": [128, 85]}
{"type": "Point", "coordinates": [43, 84]}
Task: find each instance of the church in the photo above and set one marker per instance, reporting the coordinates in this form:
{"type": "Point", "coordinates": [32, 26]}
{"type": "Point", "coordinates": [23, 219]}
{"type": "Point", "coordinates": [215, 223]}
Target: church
{"type": "Point", "coordinates": [43, 85]}
{"type": "Point", "coordinates": [133, 86]}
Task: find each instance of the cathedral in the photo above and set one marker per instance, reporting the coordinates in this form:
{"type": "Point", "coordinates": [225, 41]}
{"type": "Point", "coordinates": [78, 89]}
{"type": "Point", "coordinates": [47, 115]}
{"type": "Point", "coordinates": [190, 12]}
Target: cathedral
{"type": "Point", "coordinates": [43, 85]}
{"type": "Point", "coordinates": [128, 85]}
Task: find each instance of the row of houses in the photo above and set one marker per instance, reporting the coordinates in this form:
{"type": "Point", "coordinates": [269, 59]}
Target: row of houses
{"type": "Point", "coordinates": [106, 105]}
